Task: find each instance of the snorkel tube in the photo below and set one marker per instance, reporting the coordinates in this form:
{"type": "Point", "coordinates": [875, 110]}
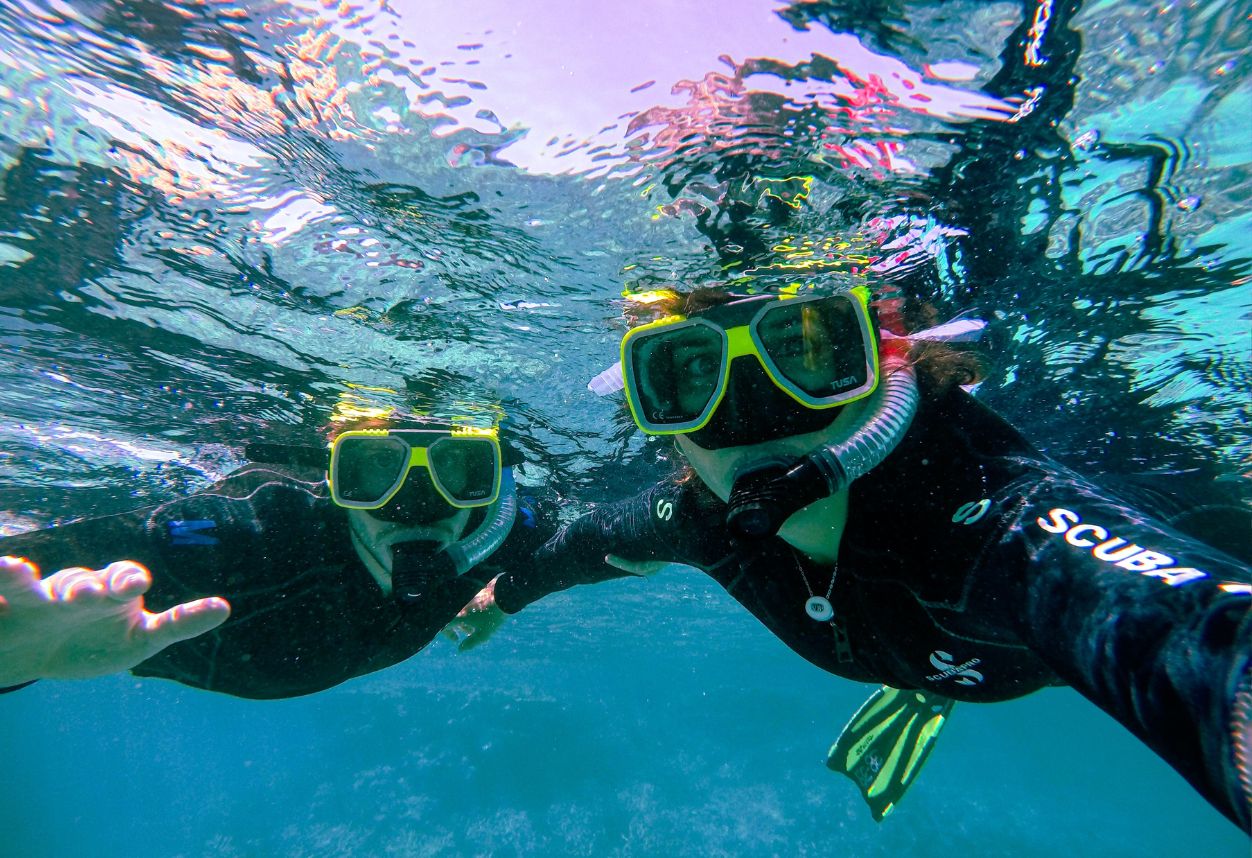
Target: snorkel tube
{"type": "Point", "coordinates": [490, 535]}
{"type": "Point", "coordinates": [763, 498]}
{"type": "Point", "coordinates": [414, 570]}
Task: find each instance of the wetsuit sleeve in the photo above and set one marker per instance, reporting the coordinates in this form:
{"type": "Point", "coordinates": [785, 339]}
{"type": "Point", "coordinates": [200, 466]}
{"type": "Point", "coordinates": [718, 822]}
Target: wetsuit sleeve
{"type": "Point", "coordinates": [1150, 625]}
{"type": "Point", "coordinates": [205, 544]}
{"type": "Point", "coordinates": [646, 527]}
{"type": "Point", "coordinates": [91, 543]}
{"type": "Point", "coordinates": [86, 543]}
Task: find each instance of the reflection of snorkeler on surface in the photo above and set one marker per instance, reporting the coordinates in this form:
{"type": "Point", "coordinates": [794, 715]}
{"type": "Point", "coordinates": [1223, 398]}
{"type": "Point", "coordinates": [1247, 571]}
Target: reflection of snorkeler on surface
{"type": "Point", "coordinates": [324, 581]}
{"type": "Point", "coordinates": [889, 528]}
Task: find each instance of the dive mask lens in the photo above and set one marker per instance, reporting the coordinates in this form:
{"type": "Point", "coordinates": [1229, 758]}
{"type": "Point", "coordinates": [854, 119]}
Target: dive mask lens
{"type": "Point", "coordinates": [819, 350]}
{"type": "Point", "coordinates": [370, 470]}
{"type": "Point", "coordinates": [466, 470]}
{"type": "Point", "coordinates": [366, 471]}
{"type": "Point", "coordinates": [674, 374]}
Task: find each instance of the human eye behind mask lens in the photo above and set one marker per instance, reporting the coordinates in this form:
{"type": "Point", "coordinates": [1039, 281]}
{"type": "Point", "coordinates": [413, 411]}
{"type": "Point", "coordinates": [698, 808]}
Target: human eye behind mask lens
{"type": "Point", "coordinates": [466, 469]}
{"type": "Point", "coordinates": [699, 361]}
{"type": "Point", "coordinates": [369, 469]}
{"type": "Point", "coordinates": [817, 346]}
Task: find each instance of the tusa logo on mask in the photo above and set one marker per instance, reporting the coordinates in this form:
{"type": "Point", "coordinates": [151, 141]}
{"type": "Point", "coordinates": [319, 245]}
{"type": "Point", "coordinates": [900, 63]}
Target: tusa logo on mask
{"type": "Point", "coordinates": [1113, 549]}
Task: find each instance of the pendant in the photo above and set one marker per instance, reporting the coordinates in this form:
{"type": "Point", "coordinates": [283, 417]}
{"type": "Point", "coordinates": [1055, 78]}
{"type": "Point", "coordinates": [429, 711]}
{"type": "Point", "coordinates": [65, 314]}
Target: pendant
{"type": "Point", "coordinates": [819, 609]}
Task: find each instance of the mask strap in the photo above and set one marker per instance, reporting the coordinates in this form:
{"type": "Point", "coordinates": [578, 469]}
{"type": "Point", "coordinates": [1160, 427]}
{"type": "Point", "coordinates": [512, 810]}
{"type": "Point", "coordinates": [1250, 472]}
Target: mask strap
{"type": "Point", "coordinates": [609, 381]}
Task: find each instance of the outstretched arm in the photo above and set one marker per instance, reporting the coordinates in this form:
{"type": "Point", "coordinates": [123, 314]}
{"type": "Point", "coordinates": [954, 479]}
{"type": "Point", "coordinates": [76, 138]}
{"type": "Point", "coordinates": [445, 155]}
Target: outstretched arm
{"type": "Point", "coordinates": [639, 534]}
{"type": "Point", "coordinates": [79, 623]}
{"type": "Point", "coordinates": [93, 611]}
{"type": "Point", "coordinates": [1152, 626]}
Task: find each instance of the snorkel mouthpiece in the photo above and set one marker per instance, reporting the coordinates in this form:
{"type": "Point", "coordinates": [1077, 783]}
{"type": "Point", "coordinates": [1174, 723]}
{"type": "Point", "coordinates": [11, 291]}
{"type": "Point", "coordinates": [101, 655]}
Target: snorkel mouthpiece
{"type": "Point", "coordinates": [763, 498]}
{"type": "Point", "coordinates": [419, 567]}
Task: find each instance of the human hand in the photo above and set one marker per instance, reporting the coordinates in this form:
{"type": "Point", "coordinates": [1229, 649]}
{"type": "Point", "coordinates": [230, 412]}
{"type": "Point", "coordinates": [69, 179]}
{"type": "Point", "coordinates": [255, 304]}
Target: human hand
{"type": "Point", "coordinates": [643, 568]}
{"type": "Point", "coordinates": [79, 623]}
{"type": "Point", "coordinates": [477, 621]}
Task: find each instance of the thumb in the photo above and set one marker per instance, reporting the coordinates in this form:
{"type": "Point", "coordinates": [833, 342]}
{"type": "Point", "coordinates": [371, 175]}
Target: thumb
{"type": "Point", "coordinates": [642, 568]}
{"type": "Point", "coordinates": [185, 621]}
{"type": "Point", "coordinates": [485, 626]}
{"type": "Point", "coordinates": [620, 563]}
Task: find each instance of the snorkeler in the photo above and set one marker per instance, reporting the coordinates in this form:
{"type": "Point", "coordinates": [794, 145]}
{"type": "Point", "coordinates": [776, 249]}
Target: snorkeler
{"type": "Point", "coordinates": [329, 572]}
{"type": "Point", "coordinates": [891, 529]}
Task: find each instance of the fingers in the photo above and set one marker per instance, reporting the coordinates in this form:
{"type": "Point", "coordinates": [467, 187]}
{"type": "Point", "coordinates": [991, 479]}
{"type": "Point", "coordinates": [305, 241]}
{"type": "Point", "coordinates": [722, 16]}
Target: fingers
{"type": "Point", "coordinates": [476, 637]}
{"type": "Point", "coordinates": [456, 630]}
{"type": "Point", "coordinates": [126, 580]}
{"type": "Point", "coordinates": [184, 621]}
{"type": "Point", "coordinates": [75, 583]}
{"type": "Point", "coordinates": [618, 563]}
{"type": "Point", "coordinates": [17, 574]}
{"type": "Point", "coordinates": [121, 581]}
{"type": "Point", "coordinates": [470, 642]}
{"type": "Point", "coordinates": [483, 627]}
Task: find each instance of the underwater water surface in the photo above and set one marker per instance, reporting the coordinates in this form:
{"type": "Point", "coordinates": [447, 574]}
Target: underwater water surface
{"type": "Point", "coordinates": [221, 220]}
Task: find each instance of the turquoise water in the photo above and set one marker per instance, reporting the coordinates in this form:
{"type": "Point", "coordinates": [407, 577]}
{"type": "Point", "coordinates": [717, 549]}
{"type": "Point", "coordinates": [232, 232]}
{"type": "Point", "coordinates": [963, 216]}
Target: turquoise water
{"type": "Point", "coordinates": [680, 727]}
{"type": "Point", "coordinates": [219, 220]}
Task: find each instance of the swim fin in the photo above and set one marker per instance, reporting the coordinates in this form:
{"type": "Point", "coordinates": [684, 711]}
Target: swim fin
{"type": "Point", "coordinates": [884, 745]}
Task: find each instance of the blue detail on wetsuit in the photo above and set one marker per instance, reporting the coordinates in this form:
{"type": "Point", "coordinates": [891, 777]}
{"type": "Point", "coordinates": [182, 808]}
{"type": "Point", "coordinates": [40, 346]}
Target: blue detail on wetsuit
{"type": "Point", "coordinates": [527, 512]}
{"type": "Point", "coordinates": [187, 532]}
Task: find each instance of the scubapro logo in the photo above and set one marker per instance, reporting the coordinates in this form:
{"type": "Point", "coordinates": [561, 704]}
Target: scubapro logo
{"type": "Point", "coordinates": [963, 672]}
{"type": "Point", "coordinates": [664, 509]}
{"type": "Point", "coordinates": [1113, 549]}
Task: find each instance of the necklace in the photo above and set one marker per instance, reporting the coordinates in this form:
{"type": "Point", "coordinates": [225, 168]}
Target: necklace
{"type": "Point", "coordinates": [819, 607]}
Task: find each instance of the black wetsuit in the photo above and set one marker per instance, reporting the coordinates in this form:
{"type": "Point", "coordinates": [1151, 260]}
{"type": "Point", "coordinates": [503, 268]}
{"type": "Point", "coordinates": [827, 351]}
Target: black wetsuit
{"type": "Point", "coordinates": [967, 568]}
{"type": "Point", "coordinates": [305, 612]}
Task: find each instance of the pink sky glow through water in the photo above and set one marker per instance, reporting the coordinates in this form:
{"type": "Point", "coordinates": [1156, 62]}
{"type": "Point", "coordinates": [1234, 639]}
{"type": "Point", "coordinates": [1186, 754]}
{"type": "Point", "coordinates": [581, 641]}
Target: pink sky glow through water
{"type": "Point", "coordinates": [571, 74]}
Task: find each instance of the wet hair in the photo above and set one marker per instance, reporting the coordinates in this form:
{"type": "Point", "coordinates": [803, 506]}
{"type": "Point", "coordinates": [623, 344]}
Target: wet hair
{"type": "Point", "coordinates": [943, 364]}
{"type": "Point", "coordinates": [333, 428]}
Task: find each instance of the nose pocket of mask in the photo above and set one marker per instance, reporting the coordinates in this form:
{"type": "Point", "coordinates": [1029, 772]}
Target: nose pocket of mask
{"type": "Point", "coordinates": [417, 501]}
{"type": "Point", "coordinates": [754, 409]}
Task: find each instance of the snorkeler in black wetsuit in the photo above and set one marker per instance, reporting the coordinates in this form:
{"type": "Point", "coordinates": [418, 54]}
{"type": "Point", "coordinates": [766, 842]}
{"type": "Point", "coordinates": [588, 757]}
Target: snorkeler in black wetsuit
{"type": "Point", "coordinates": [311, 602]}
{"type": "Point", "coordinates": [969, 565]}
